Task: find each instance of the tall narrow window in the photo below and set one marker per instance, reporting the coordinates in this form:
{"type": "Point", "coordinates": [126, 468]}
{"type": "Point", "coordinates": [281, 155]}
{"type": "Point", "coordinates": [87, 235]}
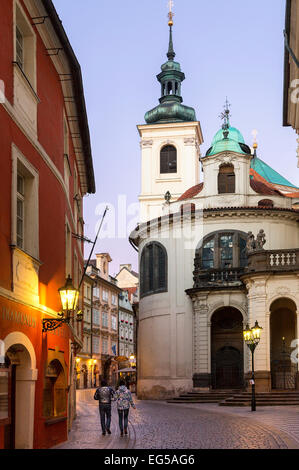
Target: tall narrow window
{"type": "Point", "coordinates": [68, 251]}
{"type": "Point", "coordinates": [226, 251]}
{"type": "Point", "coordinates": [25, 46]}
{"type": "Point", "coordinates": [20, 210]}
{"type": "Point", "coordinates": [25, 207]}
{"type": "Point", "coordinates": [153, 269]}
{"type": "Point", "coordinates": [208, 254]}
{"type": "Point", "coordinates": [168, 159]}
{"type": "Point", "coordinates": [226, 179]}
{"type": "Point", "coordinates": [19, 48]}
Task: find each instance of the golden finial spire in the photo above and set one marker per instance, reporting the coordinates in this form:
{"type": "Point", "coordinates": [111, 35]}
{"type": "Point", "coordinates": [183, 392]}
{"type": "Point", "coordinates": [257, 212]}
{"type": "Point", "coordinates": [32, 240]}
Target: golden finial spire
{"type": "Point", "coordinates": [254, 133]}
{"type": "Point", "coordinates": [170, 14]}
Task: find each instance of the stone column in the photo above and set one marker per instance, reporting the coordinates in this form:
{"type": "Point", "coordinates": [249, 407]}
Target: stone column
{"type": "Point", "coordinates": [257, 310]}
{"type": "Point", "coordinates": [201, 372]}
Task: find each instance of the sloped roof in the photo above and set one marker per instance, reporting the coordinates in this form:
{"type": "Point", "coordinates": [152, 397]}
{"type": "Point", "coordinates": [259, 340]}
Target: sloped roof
{"type": "Point", "coordinates": [270, 175]}
{"type": "Point", "coordinates": [191, 192]}
{"type": "Point", "coordinates": [262, 188]}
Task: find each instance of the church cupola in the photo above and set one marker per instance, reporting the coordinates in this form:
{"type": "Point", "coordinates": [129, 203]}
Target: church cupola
{"type": "Point", "coordinates": [171, 77]}
{"type": "Point", "coordinates": [228, 138]}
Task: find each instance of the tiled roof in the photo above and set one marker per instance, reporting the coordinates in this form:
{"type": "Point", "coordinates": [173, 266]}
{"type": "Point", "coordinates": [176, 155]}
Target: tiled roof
{"type": "Point", "coordinates": [262, 188]}
{"type": "Point", "coordinates": [191, 192]}
{"type": "Point", "coordinates": [292, 194]}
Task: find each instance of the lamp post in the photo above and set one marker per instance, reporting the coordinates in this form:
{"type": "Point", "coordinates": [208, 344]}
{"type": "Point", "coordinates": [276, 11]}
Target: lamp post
{"type": "Point", "coordinates": [69, 296]}
{"type": "Point", "coordinates": [252, 338]}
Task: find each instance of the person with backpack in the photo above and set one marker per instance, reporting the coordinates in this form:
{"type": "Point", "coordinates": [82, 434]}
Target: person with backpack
{"type": "Point", "coordinates": [105, 395]}
{"type": "Point", "coordinates": [123, 398]}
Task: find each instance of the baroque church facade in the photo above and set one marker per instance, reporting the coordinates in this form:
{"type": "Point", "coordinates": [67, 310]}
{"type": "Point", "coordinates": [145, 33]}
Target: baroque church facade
{"type": "Point", "coordinates": [214, 256]}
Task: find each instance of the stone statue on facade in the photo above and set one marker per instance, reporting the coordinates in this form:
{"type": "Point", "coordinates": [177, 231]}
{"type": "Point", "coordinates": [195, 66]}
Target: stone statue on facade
{"type": "Point", "coordinates": [260, 240]}
{"type": "Point", "coordinates": [250, 244]}
{"type": "Point", "coordinates": [255, 244]}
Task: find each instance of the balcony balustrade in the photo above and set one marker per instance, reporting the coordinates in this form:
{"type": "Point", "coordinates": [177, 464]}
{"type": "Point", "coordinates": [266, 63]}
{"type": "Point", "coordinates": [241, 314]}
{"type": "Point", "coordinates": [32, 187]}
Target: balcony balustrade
{"type": "Point", "coordinates": [258, 261]}
{"type": "Point", "coordinates": [218, 277]}
{"type": "Point", "coordinates": [273, 260]}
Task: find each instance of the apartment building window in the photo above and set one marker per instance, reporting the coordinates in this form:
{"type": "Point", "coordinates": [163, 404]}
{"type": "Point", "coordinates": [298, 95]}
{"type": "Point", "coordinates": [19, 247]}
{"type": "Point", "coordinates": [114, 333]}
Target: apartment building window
{"type": "Point", "coordinates": [114, 299]}
{"type": "Point", "coordinates": [87, 293]}
{"type": "Point", "coordinates": [19, 47]}
{"type": "Point", "coordinates": [113, 322]}
{"type": "Point", "coordinates": [67, 173]}
{"type": "Point", "coordinates": [105, 295]}
{"type": "Point", "coordinates": [68, 250]}
{"type": "Point", "coordinates": [20, 210]}
{"type": "Point", "coordinates": [104, 346]}
{"type": "Point", "coordinates": [76, 271]}
{"type": "Point", "coordinates": [96, 345]}
{"type": "Point", "coordinates": [96, 317]}
{"type": "Point", "coordinates": [87, 315]}
{"type": "Point", "coordinates": [96, 292]}
{"type": "Point", "coordinates": [104, 320]}
{"type": "Point", "coordinates": [25, 231]}
{"type": "Point", "coordinates": [25, 46]}
{"type": "Point", "coordinates": [113, 348]}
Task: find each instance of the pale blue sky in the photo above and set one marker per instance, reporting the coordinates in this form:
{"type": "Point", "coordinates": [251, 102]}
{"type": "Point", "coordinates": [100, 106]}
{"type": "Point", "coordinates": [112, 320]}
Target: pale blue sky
{"type": "Point", "coordinates": [230, 48]}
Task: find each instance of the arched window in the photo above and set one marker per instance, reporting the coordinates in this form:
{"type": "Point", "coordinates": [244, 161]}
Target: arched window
{"type": "Point", "coordinates": [153, 269]}
{"type": "Point", "coordinates": [226, 179]}
{"type": "Point", "coordinates": [266, 203]}
{"type": "Point", "coordinates": [223, 250]}
{"type": "Point", "coordinates": [168, 159]}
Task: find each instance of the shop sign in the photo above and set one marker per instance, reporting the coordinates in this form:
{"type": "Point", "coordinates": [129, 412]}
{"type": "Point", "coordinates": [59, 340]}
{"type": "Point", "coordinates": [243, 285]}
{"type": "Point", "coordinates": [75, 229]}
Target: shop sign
{"type": "Point", "coordinates": [16, 316]}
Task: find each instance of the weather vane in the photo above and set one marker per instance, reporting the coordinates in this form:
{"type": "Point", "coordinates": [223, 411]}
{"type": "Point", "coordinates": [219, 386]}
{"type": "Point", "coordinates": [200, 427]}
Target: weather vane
{"type": "Point", "coordinates": [225, 115]}
{"type": "Point", "coordinates": [170, 14]}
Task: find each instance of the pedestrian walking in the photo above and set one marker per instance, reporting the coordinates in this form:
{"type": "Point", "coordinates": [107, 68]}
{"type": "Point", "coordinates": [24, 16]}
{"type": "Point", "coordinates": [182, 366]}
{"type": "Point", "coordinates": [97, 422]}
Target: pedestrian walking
{"type": "Point", "coordinates": [124, 400]}
{"type": "Point", "coordinates": [104, 394]}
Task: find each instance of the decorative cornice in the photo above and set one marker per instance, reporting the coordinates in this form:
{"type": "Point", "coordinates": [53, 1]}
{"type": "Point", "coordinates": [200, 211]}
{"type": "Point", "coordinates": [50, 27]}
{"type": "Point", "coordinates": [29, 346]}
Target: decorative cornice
{"type": "Point", "coordinates": [146, 143]}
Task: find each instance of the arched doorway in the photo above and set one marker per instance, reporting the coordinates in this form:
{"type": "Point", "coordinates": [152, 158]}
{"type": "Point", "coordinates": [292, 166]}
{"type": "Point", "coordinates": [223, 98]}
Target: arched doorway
{"type": "Point", "coordinates": [21, 361]}
{"type": "Point", "coordinates": [283, 328]}
{"type": "Point", "coordinates": [227, 368]}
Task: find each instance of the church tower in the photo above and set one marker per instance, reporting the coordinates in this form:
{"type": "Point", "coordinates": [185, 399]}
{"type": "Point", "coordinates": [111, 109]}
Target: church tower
{"type": "Point", "coordinates": [170, 141]}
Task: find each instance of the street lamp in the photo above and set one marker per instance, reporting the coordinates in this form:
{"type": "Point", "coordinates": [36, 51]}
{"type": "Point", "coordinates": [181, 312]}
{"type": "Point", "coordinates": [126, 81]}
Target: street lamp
{"type": "Point", "coordinates": [69, 296]}
{"type": "Point", "coordinates": [252, 338]}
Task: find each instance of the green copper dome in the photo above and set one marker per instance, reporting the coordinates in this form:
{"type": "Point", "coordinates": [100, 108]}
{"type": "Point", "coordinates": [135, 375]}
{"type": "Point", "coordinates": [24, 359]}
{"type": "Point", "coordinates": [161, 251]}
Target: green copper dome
{"type": "Point", "coordinates": [170, 108]}
{"type": "Point", "coordinates": [228, 139]}
{"type": "Point", "coordinates": [233, 134]}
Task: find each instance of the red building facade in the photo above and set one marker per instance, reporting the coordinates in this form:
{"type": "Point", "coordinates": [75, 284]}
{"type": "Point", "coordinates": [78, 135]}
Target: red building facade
{"type": "Point", "coordinates": [45, 170]}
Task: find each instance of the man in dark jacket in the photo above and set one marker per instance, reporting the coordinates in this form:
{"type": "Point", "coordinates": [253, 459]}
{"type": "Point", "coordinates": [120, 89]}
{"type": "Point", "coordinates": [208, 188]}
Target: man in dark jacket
{"type": "Point", "coordinates": [104, 394]}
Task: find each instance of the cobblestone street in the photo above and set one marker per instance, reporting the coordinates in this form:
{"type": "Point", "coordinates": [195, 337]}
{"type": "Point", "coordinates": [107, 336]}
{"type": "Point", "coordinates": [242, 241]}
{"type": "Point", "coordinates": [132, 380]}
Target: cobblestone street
{"type": "Point", "coordinates": [158, 425]}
